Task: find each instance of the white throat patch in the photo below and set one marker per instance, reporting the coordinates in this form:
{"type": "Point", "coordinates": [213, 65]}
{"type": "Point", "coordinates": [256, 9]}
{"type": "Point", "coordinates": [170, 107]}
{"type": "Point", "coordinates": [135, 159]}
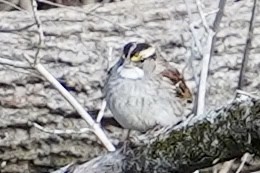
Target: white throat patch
{"type": "Point", "coordinates": [130, 72]}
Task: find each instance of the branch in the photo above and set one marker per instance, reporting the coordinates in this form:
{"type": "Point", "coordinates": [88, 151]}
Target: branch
{"type": "Point", "coordinates": [252, 95]}
{"type": "Point", "coordinates": [81, 111]}
{"type": "Point", "coordinates": [223, 134]}
{"type": "Point", "coordinates": [207, 55]}
{"type": "Point", "coordinates": [58, 131]}
{"type": "Point", "coordinates": [204, 74]}
{"type": "Point", "coordinates": [95, 127]}
{"type": "Point", "coordinates": [247, 47]}
{"type": "Point", "coordinates": [18, 64]}
{"type": "Point", "coordinates": [202, 16]}
{"type": "Point", "coordinates": [244, 159]}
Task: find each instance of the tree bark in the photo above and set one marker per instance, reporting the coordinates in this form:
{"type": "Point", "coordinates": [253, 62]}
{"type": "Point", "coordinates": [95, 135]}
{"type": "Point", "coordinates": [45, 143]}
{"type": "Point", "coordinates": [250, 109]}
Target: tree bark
{"type": "Point", "coordinates": [75, 52]}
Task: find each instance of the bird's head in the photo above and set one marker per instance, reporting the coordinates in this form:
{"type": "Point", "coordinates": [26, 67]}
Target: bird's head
{"type": "Point", "coordinates": [135, 60]}
{"type": "Point", "coordinates": [138, 52]}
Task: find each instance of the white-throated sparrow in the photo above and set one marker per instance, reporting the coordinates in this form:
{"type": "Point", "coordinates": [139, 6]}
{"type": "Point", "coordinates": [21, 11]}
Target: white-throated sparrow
{"type": "Point", "coordinates": [143, 90]}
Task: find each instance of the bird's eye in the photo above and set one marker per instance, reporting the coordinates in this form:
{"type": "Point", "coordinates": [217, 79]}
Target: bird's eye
{"type": "Point", "coordinates": [189, 101]}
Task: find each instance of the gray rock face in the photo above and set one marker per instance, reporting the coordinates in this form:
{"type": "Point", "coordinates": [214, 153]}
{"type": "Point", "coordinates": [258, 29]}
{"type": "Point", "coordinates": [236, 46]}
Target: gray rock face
{"type": "Point", "coordinates": [76, 52]}
{"type": "Point", "coordinates": [26, 4]}
{"type": "Point", "coordinates": [13, 4]}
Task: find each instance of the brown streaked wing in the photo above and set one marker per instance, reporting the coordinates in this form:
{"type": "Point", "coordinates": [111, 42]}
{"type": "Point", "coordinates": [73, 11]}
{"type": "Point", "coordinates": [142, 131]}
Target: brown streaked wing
{"type": "Point", "coordinates": [174, 75]}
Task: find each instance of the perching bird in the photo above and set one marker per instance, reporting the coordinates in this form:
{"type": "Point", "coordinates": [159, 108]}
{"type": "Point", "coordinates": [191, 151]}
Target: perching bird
{"type": "Point", "coordinates": [143, 90]}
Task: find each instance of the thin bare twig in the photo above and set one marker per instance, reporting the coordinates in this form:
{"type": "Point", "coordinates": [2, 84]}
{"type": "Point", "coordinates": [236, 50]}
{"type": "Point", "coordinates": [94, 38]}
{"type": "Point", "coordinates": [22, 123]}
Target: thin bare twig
{"type": "Point", "coordinates": [70, 7]}
{"type": "Point", "coordinates": [188, 64]}
{"type": "Point", "coordinates": [110, 61]}
{"type": "Point", "coordinates": [202, 15]}
{"type": "Point", "coordinates": [17, 29]}
{"type": "Point", "coordinates": [57, 131]}
{"type": "Point", "coordinates": [193, 30]}
{"type": "Point", "coordinates": [206, 58]}
{"type": "Point", "coordinates": [110, 54]}
{"type": "Point", "coordinates": [204, 74]}
{"type": "Point", "coordinates": [205, 63]}
{"type": "Point", "coordinates": [81, 111]}
{"type": "Point", "coordinates": [247, 47]}
{"type": "Point", "coordinates": [196, 40]}
{"type": "Point", "coordinates": [36, 64]}
{"type": "Point", "coordinates": [247, 94]}
{"type": "Point", "coordinates": [195, 37]}
{"type": "Point", "coordinates": [40, 30]}
{"type": "Point", "coordinates": [244, 159]}
{"type": "Point", "coordinates": [14, 6]}
{"type": "Point", "coordinates": [191, 59]}
{"type": "Point", "coordinates": [18, 64]}
{"type": "Point", "coordinates": [191, 25]}
{"type": "Point", "coordinates": [101, 111]}
{"type": "Point", "coordinates": [89, 12]}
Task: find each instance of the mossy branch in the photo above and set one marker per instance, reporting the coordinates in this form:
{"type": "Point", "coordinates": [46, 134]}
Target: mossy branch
{"type": "Point", "coordinates": [218, 136]}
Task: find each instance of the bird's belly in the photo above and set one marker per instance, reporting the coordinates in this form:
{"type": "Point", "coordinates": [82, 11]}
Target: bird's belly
{"type": "Point", "coordinates": [136, 105]}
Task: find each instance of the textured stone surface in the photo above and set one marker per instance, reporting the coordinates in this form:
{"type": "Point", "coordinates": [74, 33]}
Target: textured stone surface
{"type": "Point", "coordinates": [76, 51]}
{"type": "Point", "coordinates": [26, 5]}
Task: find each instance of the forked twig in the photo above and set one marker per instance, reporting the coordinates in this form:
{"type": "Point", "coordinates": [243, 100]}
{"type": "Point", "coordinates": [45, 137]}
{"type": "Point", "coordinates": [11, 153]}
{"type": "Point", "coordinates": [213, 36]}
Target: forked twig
{"type": "Point", "coordinates": [81, 111]}
{"type": "Point", "coordinates": [202, 16]}
{"type": "Point", "coordinates": [57, 131]}
{"type": "Point", "coordinates": [89, 12]}
{"type": "Point", "coordinates": [84, 11]}
{"type": "Point", "coordinates": [207, 54]}
{"type": "Point", "coordinates": [195, 37]}
{"type": "Point", "coordinates": [36, 64]}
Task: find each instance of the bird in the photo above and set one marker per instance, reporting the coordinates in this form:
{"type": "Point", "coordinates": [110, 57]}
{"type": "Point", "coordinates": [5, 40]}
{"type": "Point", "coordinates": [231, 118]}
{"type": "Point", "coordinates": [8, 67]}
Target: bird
{"type": "Point", "coordinates": [143, 90]}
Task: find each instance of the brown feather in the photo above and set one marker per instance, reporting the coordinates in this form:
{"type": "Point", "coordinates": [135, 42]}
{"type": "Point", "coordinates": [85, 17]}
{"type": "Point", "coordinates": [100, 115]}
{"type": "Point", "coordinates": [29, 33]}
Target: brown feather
{"type": "Point", "coordinates": [183, 90]}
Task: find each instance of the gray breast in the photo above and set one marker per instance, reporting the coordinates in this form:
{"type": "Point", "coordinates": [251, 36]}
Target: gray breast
{"type": "Point", "coordinates": [143, 103]}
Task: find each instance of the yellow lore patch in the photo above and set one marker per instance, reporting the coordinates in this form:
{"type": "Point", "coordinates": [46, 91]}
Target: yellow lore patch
{"type": "Point", "coordinates": [136, 58]}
